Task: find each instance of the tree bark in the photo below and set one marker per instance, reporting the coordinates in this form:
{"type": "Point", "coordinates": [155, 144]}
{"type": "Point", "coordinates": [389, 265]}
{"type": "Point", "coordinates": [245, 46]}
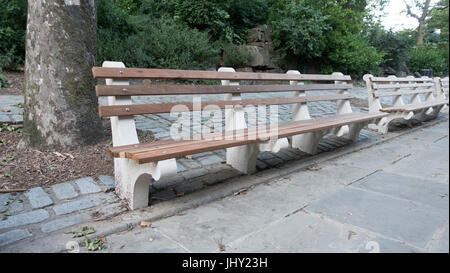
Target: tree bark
{"type": "Point", "coordinates": [420, 33]}
{"type": "Point", "coordinates": [60, 103]}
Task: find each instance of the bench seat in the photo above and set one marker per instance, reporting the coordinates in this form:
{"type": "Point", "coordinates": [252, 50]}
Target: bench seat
{"type": "Point", "coordinates": [166, 149]}
{"type": "Point", "coordinates": [414, 107]}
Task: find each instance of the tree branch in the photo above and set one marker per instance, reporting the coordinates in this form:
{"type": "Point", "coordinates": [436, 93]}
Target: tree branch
{"type": "Point", "coordinates": [409, 12]}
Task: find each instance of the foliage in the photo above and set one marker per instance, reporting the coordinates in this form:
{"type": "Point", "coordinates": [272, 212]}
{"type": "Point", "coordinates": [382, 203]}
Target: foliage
{"type": "Point", "coordinates": [430, 56]}
{"type": "Point", "coordinates": [394, 45]}
{"type": "Point", "coordinates": [439, 19]}
{"type": "Point", "coordinates": [325, 32]}
{"type": "Point", "coordinates": [3, 80]}
{"type": "Point", "coordinates": [236, 56]}
{"type": "Point", "coordinates": [246, 14]}
{"type": "Point", "coordinates": [298, 28]}
{"type": "Point", "coordinates": [206, 15]}
{"type": "Point", "coordinates": [158, 43]}
{"type": "Point", "coordinates": [13, 18]}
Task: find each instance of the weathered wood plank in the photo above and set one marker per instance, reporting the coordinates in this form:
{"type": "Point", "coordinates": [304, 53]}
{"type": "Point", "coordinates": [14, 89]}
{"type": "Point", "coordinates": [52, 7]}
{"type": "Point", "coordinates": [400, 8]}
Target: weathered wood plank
{"type": "Point", "coordinates": [402, 92]}
{"type": "Point", "coordinates": [142, 109]}
{"type": "Point", "coordinates": [177, 89]}
{"type": "Point", "coordinates": [173, 74]}
{"type": "Point", "coordinates": [406, 85]}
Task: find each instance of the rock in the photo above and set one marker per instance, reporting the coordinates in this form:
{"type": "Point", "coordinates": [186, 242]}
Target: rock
{"type": "Point", "coordinates": [259, 42]}
{"type": "Point", "coordinates": [390, 71]}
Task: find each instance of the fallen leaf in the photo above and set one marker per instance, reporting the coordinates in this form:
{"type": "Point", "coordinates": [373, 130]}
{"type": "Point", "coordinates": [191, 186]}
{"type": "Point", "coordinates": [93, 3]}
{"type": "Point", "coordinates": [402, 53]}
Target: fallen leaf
{"type": "Point", "coordinates": [150, 240]}
{"type": "Point", "coordinates": [242, 191]}
{"type": "Point", "coordinates": [179, 194]}
{"type": "Point", "coordinates": [6, 110]}
{"type": "Point", "coordinates": [145, 224]}
{"type": "Point", "coordinates": [103, 238]}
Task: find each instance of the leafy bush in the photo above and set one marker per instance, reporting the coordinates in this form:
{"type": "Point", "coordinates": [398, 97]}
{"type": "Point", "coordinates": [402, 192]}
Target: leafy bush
{"type": "Point", "coordinates": [354, 57]}
{"type": "Point", "coordinates": [298, 28]}
{"type": "Point", "coordinates": [236, 56]}
{"type": "Point", "coordinates": [430, 56]}
{"type": "Point", "coordinates": [246, 14]}
{"type": "Point", "coordinates": [327, 33]}
{"type": "Point", "coordinates": [3, 80]}
{"type": "Point", "coordinates": [394, 45]}
{"type": "Point", "coordinates": [206, 15]}
{"type": "Point", "coordinates": [13, 19]}
{"type": "Point", "coordinates": [158, 43]}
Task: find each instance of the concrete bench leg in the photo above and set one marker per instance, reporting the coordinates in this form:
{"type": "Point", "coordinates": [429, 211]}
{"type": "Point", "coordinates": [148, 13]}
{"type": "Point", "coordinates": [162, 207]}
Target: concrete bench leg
{"type": "Point", "coordinates": [308, 142]}
{"type": "Point", "coordinates": [382, 125]}
{"type": "Point", "coordinates": [243, 158]}
{"type": "Point", "coordinates": [429, 113]}
{"type": "Point", "coordinates": [133, 181]}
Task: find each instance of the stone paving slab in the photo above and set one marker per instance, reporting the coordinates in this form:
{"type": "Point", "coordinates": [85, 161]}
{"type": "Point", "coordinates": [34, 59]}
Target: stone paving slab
{"type": "Point", "coordinates": [13, 236]}
{"type": "Point", "coordinates": [404, 187]}
{"type": "Point", "coordinates": [26, 218]}
{"type": "Point", "coordinates": [64, 191]}
{"type": "Point", "coordinates": [422, 169]}
{"type": "Point", "coordinates": [63, 223]}
{"type": "Point", "coordinates": [400, 219]}
{"type": "Point", "coordinates": [77, 205]}
{"type": "Point", "coordinates": [107, 180]}
{"type": "Point", "coordinates": [147, 242]}
{"type": "Point", "coordinates": [38, 198]}
{"type": "Point", "coordinates": [289, 234]}
{"type": "Point", "coordinates": [87, 185]}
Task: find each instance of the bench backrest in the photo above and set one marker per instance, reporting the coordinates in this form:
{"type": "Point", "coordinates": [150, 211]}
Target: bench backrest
{"type": "Point", "coordinates": [402, 91]}
{"type": "Point", "coordinates": [442, 86]}
{"type": "Point", "coordinates": [121, 110]}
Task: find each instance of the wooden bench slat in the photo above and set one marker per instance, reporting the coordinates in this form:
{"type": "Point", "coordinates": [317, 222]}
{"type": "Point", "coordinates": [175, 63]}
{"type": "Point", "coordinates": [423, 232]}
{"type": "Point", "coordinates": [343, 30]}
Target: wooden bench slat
{"type": "Point", "coordinates": [177, 89]}
{"type": "Point", "coordinates": [142, 109]}
{"type": "Point", "coordinates": [413, 107]}
{"type": "Point", "coordinates": [184, 149]}
{"type": "Point", "coordinates": [406, 85]}
{"type": "Point", "coordinates": [173, 74]}
{"type": "Point", "coordinates": [402, 92]}
{"type": "Point", "coordinates": [387, 80]}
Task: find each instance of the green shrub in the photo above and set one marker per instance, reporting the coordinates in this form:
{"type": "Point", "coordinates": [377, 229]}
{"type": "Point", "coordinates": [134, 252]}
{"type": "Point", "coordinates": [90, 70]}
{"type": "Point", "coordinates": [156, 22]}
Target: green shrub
{"type": "Point", "coordinates": [13, 19]}
{"type": "Point", "coordinates": [430, 56]}
{"type": "Point", "coordinates": [206, 15]}
{"type": "Point", "coordinates": [394, 45]}
{"type": "Point", "coordinates": [237, 56]}
{"type": "Point", "coordinates": [3, 80]}
{"type": "Point", "coordinates": [246, 14]}
{"type": "Point", "coordinates": [298, 28]}
{"type": "Point", "coordinates": [158, 43]}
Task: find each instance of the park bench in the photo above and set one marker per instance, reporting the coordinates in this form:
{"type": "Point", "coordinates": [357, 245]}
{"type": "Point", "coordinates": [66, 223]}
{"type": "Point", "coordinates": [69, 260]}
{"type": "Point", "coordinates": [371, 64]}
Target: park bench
{"type": "Point", "coordinates": [136, 163]}
{"type": "Point", "coordinates": [411, 98]}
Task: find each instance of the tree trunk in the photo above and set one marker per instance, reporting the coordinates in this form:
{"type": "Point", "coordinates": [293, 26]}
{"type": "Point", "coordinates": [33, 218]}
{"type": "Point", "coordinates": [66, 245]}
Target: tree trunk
{"type": "Point", "coordinates": [60, 103]}
{"type": "Point", "coordinates": [420, 33]}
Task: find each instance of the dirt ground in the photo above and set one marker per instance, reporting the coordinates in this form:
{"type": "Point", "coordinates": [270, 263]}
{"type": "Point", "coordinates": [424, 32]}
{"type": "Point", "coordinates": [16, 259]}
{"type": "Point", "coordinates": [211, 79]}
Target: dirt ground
{"type": "Point", "coordinates": [16, 81]}
{"type": "Point", "coordinates": [27, 168]}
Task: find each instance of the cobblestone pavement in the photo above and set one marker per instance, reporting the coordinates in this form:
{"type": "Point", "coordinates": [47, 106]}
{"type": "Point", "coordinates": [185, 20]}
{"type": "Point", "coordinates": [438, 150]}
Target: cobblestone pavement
{"type": "Point", "coordinates": [40, 211]}
{"type": "Point", "coordinates": [11, 109]}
